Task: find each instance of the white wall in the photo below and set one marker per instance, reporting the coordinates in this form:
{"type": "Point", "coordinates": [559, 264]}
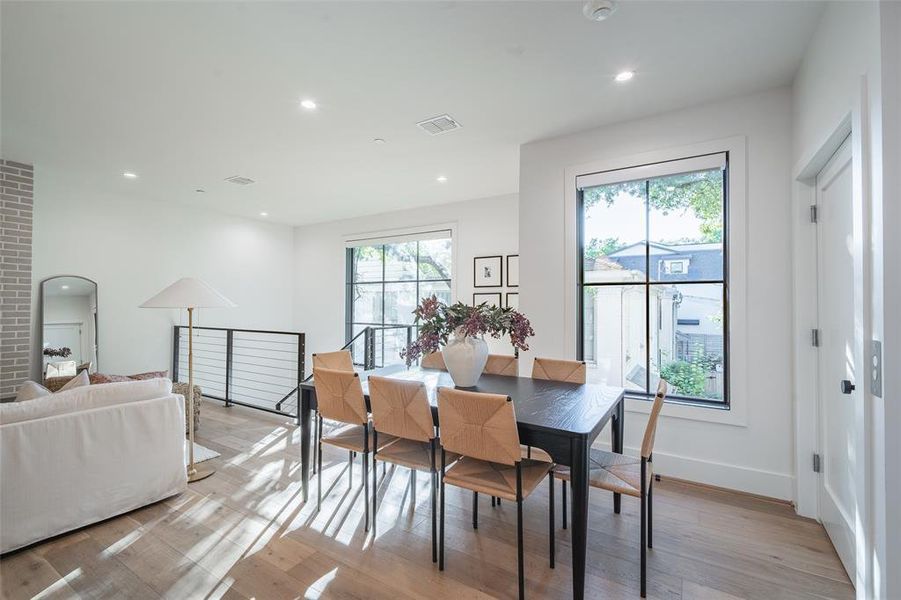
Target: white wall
{"type": "Point", "coordinates": [852, 55]}
{"type": "Point", "coordinates": [756, 453]}
{"type": "Point", "coordinates": [134, 249]}
{"type": "Point", "coordinates": [487, 226]}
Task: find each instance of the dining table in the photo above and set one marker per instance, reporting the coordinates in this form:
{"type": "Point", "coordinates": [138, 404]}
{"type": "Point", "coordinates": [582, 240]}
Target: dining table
{"type": "Point", "coordinates": [561, 418]}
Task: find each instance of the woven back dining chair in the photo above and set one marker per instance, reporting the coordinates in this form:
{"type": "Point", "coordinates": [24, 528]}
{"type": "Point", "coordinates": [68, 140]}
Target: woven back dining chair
{"type": "Point", "coordinates": [481, 428]}
{"type": "Point", "coordinates": [502, 364]}
{"type": "Point", "coordinates": [401, 409]}
{"type": "Point", "coordinates": [630, 476]}
{"type": "Point", "coordinates": [433, 360]}
{"type": "Point", "coordinates": [339, 396]}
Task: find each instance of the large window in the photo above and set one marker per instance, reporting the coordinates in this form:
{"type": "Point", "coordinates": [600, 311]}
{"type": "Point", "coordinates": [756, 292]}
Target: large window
{"type": "Point", "coordinates": [653, 277]}
{"type": "Point", "coordinates": [386, 278]}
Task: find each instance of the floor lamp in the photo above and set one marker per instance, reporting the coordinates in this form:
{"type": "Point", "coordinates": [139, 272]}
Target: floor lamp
{"type": "Point", "coordinates": [190, 293]}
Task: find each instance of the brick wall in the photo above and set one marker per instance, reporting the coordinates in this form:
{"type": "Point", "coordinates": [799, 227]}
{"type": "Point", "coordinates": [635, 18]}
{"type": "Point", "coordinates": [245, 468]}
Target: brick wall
{"type": "Point", "coordinates": [16, 203]}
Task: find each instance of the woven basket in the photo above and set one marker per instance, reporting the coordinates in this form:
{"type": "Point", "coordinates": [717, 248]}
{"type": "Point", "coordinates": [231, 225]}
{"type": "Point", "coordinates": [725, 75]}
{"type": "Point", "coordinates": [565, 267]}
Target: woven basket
{"type": "Point", "coordinates": [182, 388]}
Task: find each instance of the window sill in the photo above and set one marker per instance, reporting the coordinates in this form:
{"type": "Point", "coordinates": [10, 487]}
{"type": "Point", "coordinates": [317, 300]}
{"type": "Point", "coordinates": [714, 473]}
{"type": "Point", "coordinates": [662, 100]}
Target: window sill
{"type": "Point", "coordinates": [680, 409]}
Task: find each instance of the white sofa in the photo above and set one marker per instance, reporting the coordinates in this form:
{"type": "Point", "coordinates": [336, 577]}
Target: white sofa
{"type": "Point", "coordinates": [87, 454]}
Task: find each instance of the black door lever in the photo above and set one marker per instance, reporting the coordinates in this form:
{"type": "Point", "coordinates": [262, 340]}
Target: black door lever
{"type": "Point", "coordinates": [847, 386]}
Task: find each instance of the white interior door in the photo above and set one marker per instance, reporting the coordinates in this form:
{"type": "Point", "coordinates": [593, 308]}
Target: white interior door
{"type": "Point", "coordinates": [840, 427]}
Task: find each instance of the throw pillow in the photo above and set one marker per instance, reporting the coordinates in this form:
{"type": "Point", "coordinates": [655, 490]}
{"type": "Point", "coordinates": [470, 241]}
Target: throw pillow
{"type": "Point", "coordinates": [78, 381]}
{"type": "Point", "coordinates": [97, 378]}
{"type": "Point", "coordinates": [150, 375]}
{"type": "Point", "coordinates": [31, 390]}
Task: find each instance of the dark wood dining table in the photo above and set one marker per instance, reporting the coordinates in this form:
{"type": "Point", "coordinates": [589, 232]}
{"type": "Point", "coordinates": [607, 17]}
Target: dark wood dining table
{"type": "Point", "coordinates": [563, 419]}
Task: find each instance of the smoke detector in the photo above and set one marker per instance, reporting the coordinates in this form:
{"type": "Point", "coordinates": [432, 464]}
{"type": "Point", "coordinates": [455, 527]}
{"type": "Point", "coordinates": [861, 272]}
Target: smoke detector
{"type": "Point", "coordinates": [598, 10]}
{"type": "Point", "coordinates": [439, 125]}
{"type": "Point", "coordinates": [238, 180]}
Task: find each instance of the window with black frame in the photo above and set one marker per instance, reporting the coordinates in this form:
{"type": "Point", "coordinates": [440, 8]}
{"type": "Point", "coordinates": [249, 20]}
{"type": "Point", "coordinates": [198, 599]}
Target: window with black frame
{"type": "Point", "coordinates": [386, 278]}
{"type": "Point", "coordinates": [653, 277]}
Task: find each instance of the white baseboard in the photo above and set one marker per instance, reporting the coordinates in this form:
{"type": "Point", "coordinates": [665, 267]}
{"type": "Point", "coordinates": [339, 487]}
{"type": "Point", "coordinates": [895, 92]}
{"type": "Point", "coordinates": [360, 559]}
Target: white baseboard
{"type": "Point", "coordinates": [733, 477]}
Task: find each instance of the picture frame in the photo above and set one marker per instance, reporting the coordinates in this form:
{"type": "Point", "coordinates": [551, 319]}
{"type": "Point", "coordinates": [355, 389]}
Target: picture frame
{"type": "Point", "coordinates": [490, 298]}
{"type": "Point", "coordinates": [513, 270]}
{"type": "Point", "coordinates": [513, 300]}
{"type": "Point", "coordinates": [488, 271]}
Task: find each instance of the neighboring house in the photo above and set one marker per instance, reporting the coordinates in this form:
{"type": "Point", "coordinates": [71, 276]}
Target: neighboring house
{"type": "Point", "coordinates": [687, 316]}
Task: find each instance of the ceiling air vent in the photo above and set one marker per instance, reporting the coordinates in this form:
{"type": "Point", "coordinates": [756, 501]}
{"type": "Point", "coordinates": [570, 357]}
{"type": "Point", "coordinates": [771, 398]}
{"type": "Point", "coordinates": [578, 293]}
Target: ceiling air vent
{"type": "Point", "coordinates": [439, 125]}
{"type": "Point", "coordinates": [237, 179]}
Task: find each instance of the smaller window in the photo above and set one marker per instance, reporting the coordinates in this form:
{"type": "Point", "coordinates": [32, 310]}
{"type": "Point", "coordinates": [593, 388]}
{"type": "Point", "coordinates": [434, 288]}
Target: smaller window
{"type": "Point", "coordinates": [674, 267]}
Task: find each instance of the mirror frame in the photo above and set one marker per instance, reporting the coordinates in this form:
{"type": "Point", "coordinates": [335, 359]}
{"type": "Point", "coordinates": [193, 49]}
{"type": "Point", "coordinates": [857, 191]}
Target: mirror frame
{"type": "Point", "coordinates": [40, 347]}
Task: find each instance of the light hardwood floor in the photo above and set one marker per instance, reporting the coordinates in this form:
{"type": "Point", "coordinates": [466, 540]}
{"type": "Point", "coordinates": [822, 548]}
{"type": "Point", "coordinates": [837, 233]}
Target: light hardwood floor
{"type": "Point", "coordinates": [245, 533]}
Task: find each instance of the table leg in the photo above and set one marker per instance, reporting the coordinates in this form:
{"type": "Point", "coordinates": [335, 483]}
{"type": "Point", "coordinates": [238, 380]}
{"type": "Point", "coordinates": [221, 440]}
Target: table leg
{"type": "Point", "coordinates": [617, 443]}
{"type": "Point", "coordinates": [579, 521]}
{"type": "Point", "coordinates": [303, 416]}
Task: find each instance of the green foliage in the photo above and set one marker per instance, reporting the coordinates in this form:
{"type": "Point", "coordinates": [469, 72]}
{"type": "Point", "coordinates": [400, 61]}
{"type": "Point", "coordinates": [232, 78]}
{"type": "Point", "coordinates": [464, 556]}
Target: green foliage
{"type": "Point", "coordinates": [701, 192]}
{"type": "Point", "coordinates": [597, 248]}
{"type": "Point", "coordinates": [687, 377]}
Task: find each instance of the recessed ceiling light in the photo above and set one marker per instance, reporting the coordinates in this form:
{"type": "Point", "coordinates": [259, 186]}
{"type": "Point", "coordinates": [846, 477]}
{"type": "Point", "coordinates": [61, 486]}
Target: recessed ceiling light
{"type": "Point", "coordinates": [441, 179]}
{"type": "Point", "coordinates": [264, 214]}
{"type": "Point", "coordinates": [598, 10]}
{"type": "Point", "coordinates": [378, 141]}
{"type": "Point", "coordinates": [65, 287]}
{"type": "Point", "coordinates": [129, 175]}
{"type": "Point", "coordinates": [624, 76]}
{"type": "Point", "coordinates": [308, 104]}
{"type": "Point", "coordinates": [200, 191]}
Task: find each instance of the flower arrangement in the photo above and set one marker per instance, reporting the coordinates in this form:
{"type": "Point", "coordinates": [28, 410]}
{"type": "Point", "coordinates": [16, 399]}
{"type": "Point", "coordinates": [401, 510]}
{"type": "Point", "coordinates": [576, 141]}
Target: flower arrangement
{"type": "Point", "coordinates": [58, 352]}
{"type": "Point", "coordinates": [437, 321]}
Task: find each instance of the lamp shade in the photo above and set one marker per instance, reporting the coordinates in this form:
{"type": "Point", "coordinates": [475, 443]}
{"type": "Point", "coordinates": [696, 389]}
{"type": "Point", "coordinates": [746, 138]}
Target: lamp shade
{"type": "Point", "coordinates": [189, 292]}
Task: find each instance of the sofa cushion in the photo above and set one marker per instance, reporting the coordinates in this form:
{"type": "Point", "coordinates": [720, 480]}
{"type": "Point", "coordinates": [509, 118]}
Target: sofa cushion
{"type": "Point", "coordinates": [78, 381]}
{"type": "Point", "coordinates": [31, 391]}
{"type": "Point", "coordinates": [84, 398]}
{"type": "Point", "coordinates": [108, 378]}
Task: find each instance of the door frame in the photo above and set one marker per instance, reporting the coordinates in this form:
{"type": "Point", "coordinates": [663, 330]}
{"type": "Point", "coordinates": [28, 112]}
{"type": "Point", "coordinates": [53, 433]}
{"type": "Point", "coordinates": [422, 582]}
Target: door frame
{"type": "Point", "coordinates": [804, 287]}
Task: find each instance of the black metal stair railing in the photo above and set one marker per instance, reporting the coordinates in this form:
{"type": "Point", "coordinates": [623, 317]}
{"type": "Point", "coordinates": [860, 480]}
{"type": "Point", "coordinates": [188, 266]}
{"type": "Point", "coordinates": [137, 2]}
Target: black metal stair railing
{"type": "Point", "coordinates": [368, 336]}
{"type": "Point", "coordinates": [255, 368]}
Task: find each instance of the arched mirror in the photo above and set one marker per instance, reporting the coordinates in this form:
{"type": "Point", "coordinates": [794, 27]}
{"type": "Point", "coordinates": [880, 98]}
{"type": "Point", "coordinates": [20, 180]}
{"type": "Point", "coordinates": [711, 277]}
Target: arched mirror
{"type": "Point", "coordinates": [68, 326]}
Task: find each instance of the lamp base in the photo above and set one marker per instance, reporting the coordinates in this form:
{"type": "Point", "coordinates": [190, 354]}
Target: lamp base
{"type": "Point", "coordinates": [200, 472]}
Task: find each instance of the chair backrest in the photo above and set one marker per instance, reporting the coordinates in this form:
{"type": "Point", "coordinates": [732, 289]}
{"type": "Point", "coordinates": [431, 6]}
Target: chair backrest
{"type": "Point", "coordinates": [569, 371]}
{"type": "Point", "coordinates": [647, 444]}
{"type": "Point", "coordinates": [401, 408]}
{"type": "Point", "coordinates": [478, 425]}
{"type": "Point", "coordinates": [340, 360]}
{"type": "Point", "coordinates": [339, 396]}
{"type": "Point", "coordinates": [502, 364]}
{"type": "Point", "coordinates": [433, 360]}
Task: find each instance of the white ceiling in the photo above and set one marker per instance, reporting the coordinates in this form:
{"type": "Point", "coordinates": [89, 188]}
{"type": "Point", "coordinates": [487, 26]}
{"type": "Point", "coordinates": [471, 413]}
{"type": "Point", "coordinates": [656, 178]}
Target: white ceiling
{"type": "Point", "coordinates": [186, 94]}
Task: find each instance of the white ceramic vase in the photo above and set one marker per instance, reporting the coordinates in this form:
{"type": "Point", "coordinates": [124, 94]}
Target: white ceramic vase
{"type": "Point", "coordinates": [465, 358]}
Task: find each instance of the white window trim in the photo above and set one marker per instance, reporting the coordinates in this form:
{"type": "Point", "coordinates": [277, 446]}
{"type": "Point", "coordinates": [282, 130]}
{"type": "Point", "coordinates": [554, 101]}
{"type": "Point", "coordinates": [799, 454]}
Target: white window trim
{"type": "Point", "coordinates": [737, 225]}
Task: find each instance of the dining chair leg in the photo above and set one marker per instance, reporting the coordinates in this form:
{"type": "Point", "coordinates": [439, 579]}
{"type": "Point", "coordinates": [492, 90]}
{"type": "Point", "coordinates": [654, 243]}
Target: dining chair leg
{"type": "Point", "coordinates": [519, 542]}
{"type": "Point", "coordinates": [434, 481]}
{"type": "Point", "coordinates": [550, 520]}
{"type": "Point", "coordinates": [375, 485]}
{"type": "Point", "coordinates": [441, 533]}
{"type": "Point", "coordinates": [644, 540]}
{"type": "Point", "coordinates": [564, 485]}
{"type": "Point", "coordinates": [319, 470]}
{"type": "Point", "coordinates": [366, 475]}
{"type": "Point", "coordinates": [650, 513]}
{"type": "Point", "coordinates": [475, 510]}
{"type": "Point", "coordinates": [315, 436]}
{"type": "Point", "coordinates": [492, 501]}
{"type": "Point", "coordinates": [350, 469]}
{"type": "Point", "coordinates": [413, 488]}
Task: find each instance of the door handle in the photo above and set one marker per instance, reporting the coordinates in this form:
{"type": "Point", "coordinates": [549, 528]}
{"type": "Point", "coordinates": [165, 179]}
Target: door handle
{"type": "Point", "coordinates": [847, 386]}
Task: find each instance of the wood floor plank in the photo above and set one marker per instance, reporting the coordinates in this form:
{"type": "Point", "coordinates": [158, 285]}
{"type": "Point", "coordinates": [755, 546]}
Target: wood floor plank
{"type": "Point", "coordinates": [246, 533]}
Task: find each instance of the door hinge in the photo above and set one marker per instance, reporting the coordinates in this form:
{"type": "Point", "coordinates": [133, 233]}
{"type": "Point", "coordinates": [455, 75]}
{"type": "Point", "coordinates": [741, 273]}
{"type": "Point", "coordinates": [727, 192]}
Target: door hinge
{"type": "Point", "coordinates": [815, 338]}
{"type": "Point", "coordinates": [816, 463]}
{"type": "Point", "coordinates": [813, 213]}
